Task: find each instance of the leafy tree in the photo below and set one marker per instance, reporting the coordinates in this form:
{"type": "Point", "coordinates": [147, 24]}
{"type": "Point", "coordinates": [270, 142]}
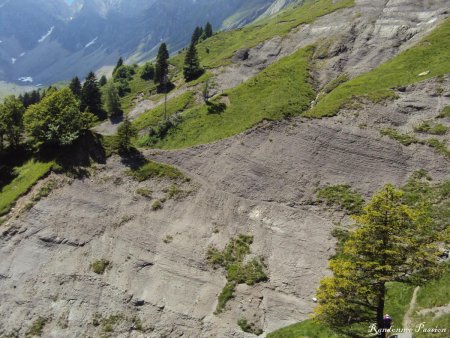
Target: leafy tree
{"type": "Point", "coordinates": [11, 116]}
{"type": "Point", "coordinates": [162, 65]}
{"type": "Point", "coordinates": [125, 133]}
{"type": "Point", "coordinates": [118, 65]}
{"type": "Point", "coordinates": [57, 119]}
{"type": "Point", "coordinates": [103, 80]}
{"type": "Point", "coordinates": [124, 73]}
{"type": "Point", "coordinates": [75, 87]}
{"type": "Point", "coordinates": [91, 97]}
{"type": "Point", "coordinates": [394, 243]}
{"type": "Point", "coordinates": [208, 32]}
{"type": "Point", "coordinates": [148, 72]}
{"type": "Point", "coordinates": [112, 100]}
{"type": "Point", "coordinates": [192, 69]}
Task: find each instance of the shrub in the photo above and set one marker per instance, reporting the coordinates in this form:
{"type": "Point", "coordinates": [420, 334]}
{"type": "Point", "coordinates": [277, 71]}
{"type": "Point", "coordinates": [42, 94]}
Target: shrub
{"type": "Point", "coordinates": [36, 328]}
{"type": "Point", "coordinates": [430, 128]}
{"type": "Point", "coordinates": [152, 169]}
{"type": "Point", "coordinates": [343, 197]}
{"type": "Point", "coordinates": [445, 113]}
{"type": "Point", "coordinates": [100, 266]}
{"type": "Point", "coordinates": [145, 192]}
{"type": "Point", "coordinates": [249, 327]}
{"type": "Point", "coordinates": [157, 205]}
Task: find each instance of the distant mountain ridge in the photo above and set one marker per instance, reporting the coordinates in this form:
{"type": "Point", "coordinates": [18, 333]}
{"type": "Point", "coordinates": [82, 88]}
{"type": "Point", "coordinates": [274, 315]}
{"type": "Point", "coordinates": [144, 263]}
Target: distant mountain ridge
{"type": "Point", "coordinates": [45, 41]}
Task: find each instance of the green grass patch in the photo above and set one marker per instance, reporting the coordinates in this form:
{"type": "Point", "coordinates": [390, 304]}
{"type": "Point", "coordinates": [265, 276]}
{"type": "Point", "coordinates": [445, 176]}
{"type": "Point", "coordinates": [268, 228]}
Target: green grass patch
{"type": "Point", "coordinates": [137, 85]}
{"type": "Point", "coordinates": [408, 139]}
{"type": "Point", "coordinates": [282, 89]}
{"type": "Point", "coordinates": [157, 205]}
{"type": "Point", "coordinates": [398, 298]}
{"type": "Point", "coordinates": [431, 128]}
{"type": "Point", "coordinates": [445, 113]}
{"type": "Point", "coordinates": [218, 50]}
{"type": "Point", "coordinates": [435, 293]}
{"type": "Point", "coordinates": [154, 116]}
{"type": "Point", "coordinates": [152, 169]}
{"type": "Point", "coordinates": [26, 177]}
{"type": "Point", "coordinates": [36, 328]}
{"type": "Point", "coordinates": [343, 197]}
{"type": "Point", "coordinates": [99, 266]}
{"type": "Point", "coordinates": [430, 57]}
{"type": "Point", "coordinates": [238, 272]}
{"type": "Point", "coordinates": [307, 328]}
{"type": "Point", "coordinates": [144, 192]}
{"type": "Point", "coordinates": [110, 144]}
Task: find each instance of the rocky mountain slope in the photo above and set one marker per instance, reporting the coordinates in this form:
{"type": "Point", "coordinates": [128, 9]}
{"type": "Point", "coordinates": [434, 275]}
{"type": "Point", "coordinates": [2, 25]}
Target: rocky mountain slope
{"type": "Point", "coordinates": [262, 182]}
{"type": "Point", "coordinates": [47, 41]}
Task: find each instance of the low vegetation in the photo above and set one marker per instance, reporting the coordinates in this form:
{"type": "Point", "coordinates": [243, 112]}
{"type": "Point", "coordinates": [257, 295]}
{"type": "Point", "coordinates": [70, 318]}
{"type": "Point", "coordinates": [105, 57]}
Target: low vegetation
{"type": "Point", "coordinates": [408, 139]}
{"type": "Point", "coordinates": [145, 192]}
{"type": "Point", "coordinates": [99, 266]}
{"type": "Point", "coordinates": [427, 57]}
{"type": "Point", "coordinates": [281, 90]}
{"type": "Point", "coordinates": [232, 259]}
{"type": "Point", "coordinates": [157, 205]}
{"type": "Point", "coordinates": [36, 328]}
{"type": "Point", "coordinates": [249, 327]}
{"type": "Point", "coordinates": [152, 169]}
{"type": "Point", "coordinates": [445, 113]}
{"type": "Point", "coordinates": [431, 128]}
{"type": "Point", "coordinates": [26, 177]}
{"type": "Point", "coordinates": [343, 197]}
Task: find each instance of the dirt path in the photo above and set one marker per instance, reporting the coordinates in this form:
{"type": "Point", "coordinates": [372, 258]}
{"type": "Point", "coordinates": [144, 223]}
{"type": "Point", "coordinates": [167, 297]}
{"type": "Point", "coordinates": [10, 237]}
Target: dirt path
{"type": "Point", "coordinates": [407, 323]}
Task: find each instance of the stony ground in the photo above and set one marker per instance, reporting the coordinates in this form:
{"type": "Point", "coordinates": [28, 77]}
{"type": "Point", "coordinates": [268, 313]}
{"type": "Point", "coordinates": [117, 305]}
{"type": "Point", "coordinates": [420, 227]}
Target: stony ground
{"type": "Point", "coordinates": [262, 182]}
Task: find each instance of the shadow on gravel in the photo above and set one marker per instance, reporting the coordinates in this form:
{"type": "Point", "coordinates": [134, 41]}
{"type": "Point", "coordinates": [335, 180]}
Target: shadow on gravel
{"type": "Point", "coordinates": [132, 158]}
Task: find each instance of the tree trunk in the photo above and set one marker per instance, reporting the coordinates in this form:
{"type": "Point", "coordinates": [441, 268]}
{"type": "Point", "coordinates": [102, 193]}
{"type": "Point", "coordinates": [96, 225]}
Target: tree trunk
{"type": "Point", "coordinates": [380, 311]}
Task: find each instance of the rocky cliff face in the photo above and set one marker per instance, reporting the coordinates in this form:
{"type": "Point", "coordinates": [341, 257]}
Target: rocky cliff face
{"type": "Point", "coordinates": [261, 182]}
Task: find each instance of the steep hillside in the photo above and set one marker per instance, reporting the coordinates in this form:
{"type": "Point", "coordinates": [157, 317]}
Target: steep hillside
{"type": "Point", "coordinates": [130, 247]}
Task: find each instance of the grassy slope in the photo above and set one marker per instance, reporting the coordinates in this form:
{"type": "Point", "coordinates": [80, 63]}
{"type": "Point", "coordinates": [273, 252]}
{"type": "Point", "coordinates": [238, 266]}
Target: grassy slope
{"type": "Point", "coordinates": [27, 175]}
{"type": "Point", "coordinates": [223, 45]}
{"type": "Point", "coordinates": [431, 54]}
{"type": "Point", "coordinates": [281, 89]}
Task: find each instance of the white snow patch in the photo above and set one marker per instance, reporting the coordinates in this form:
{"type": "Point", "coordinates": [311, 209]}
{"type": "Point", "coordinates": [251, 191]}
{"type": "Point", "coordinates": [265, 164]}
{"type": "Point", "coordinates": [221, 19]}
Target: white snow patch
{"type": "Point", "coordinates": [26, 79]}
{"type": "Point", "coordinates": [22, 54]}
{"type": "Point", "coordinates": [43, 37]}
{"type": "Point", "coordinates": [91, 42]}
{"type": "Point", "coordinates": [13, 60]}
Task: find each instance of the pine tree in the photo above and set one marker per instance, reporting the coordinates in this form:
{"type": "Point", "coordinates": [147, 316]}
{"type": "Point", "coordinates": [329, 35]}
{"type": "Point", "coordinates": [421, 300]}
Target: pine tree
{"type": "Point", "coordinates": [394, 243]}
{"type": "Point", "coordinates": [75, 87]}
{"type": "Point", "coordinates": [112, 100]}
{"type": "Point", "coordinates": [125, 133]}
{"type": "Point", "coordinates": [162, 65]}
{"type": "Point", "coordinates": [118, 65]}
{"type": "Point", "coordinates": [198, 32]}
{"type": "Point", "coordinates": [192, 69]}
{"type": "Point", "coordinates": [91, 97]}
{"type": "Point", "coordinates": [103, 80]}
{"type": "Point", "coordinates": [208, 32]}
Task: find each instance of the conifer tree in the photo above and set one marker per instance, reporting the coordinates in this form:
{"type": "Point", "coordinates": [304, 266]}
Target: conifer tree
{"type": "Point", "coordinates": [192, 68]}
{"type": "Point", "coordinates": [198, 32]}
{"type": "Point", "coordinates": [112, 100]}
{"type": "Point", "coordinates": [162, 65]}
{"type": "Point", "coordinates": [103, 80]}
{"type": "Point", "coordinates": [91, 97]}
{"type": "Point", "coordinates": [75, 87]}
{"type": "Point", "coordinates": [394, 243]}
{"type": "Point", "coordinates": [208, 32]}
{"type": "Point", "coordinates": [125, 133]}
{"type": "Point", "coordinates": [118, 65]}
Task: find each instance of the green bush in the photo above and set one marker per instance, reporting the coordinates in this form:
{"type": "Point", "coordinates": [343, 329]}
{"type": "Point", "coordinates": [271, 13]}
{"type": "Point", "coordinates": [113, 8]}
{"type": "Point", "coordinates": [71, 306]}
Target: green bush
{"type": "Point", "coordinates": [445, 113]}
{"type": "Point", "coordinates": [343, 197]}
{"type": "Point", "coordinates": [37, 328]}
{"type": "Point", "coordinates": [157, 205]}
{"type": "Point", "coordinates": [100, 266]}
{"type": "Point", "coordinates": [249, 327]}
{"type": "Point", "coordinates": [152, 169]}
